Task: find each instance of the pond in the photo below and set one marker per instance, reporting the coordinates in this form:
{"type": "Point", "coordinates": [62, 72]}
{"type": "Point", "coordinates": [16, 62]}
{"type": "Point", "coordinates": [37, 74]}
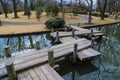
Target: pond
{"type": "Point", "coordinates": [24, 42]}
{"type": "Point", "coordinates": [104, 67]}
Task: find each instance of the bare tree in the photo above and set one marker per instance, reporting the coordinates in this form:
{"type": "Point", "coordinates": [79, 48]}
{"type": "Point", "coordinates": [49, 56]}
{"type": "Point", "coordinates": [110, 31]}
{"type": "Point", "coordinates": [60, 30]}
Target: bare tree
{"type": "Point", "coordinates": [61, 4]}
{"type": "Point", "coordinates": [4, 5]}
{"type": "Point", "coordinates": [114, 7]}
{"type": "Point", "coordinates": [25, 7]}
{"type": "Point", "coordinates": [102, 7]}
{"type": "Point", "coordinates": [15, 2]}
{"type": "Point", "coordinates": [90, 5]}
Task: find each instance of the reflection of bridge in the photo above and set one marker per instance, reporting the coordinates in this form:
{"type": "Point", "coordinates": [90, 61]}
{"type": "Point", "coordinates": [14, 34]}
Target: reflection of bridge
{"type": "Point", "coordinates": [31, 61]}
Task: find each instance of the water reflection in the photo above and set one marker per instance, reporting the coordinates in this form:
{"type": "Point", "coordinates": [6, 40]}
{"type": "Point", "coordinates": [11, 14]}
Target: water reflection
{"type": "Point", "coordinates": [23, 42]}
{"type": "Point", "coordinates": [71, 71]}
{"type": "Point", "coordinates": [106, 66]}
{"type": "Point", "coordinates": [109, 46]}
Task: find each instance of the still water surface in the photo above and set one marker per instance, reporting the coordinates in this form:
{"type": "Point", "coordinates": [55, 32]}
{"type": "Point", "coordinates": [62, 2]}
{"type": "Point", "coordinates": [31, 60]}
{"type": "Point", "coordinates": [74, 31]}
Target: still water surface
{"type": "Point", "coordinates": [104, 67]}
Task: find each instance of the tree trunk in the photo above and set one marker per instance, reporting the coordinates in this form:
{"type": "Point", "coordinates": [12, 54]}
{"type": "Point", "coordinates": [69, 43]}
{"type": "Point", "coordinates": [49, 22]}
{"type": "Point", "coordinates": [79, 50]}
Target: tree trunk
{"type": "Point", "coordinates": [25, 7]}
{"type": "Point", "coordinates": [61, 5]}
{"type": "Point", "coordinates": [102, 7]}
{"type": "Point", "coordinates": [90, 12]}
{"type": "Point", "coordinates": [79, 2]}
{"type": "Point", "coordinates": [15, 8]}
{"type": "Point", "coordinates": [4, 8]}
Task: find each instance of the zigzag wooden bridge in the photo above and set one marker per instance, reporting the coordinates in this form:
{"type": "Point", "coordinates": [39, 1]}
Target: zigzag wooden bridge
{"type": "Point", "coordinates": [78, 48]}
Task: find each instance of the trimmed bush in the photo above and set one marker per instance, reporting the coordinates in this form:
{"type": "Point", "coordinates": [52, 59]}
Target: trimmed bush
{"type": "Point", "coordinates": [55, 22]}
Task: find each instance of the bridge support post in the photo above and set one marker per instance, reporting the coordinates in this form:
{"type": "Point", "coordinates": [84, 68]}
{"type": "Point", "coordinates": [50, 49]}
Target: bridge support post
{"type": "Point", "coordinates": [91, 34]}
{"type": "Point", "coordinates": [11, 71]}
{"type": "Point", "coordinates": [7, 51]}
{"type": "Point", "coordinates": [73, 33]}
{"type": "Point", "coordinates": [37, 45]}
{"type": "Point", "coordinates": [78, 24]}
{"type": "Point", "coordinates": [57, 37]}
{"type": "Point", "coordinates": [52, 30]}
{"type": "Point", "coordinates": [51, 58]}
{"type": "Point", "coordinates": [66, 29]}
{"type": "Point", "coordinates": [75, 53]}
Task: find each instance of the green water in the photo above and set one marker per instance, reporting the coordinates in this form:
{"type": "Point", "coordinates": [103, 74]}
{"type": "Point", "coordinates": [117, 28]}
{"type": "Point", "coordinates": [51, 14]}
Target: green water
{"type": "Point", "coordinates": [104, 67]}
{"type": "Point", "coordinates": [24, 42]}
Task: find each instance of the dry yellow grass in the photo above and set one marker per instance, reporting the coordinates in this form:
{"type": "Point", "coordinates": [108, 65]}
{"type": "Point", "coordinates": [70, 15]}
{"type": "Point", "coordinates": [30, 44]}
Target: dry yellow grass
{"type": "Point", "coordinates": [20, 29]}
{"type": "Point", "coordinates": [33, 17]}
{"type": "Point", "coordinates": [98, 21]}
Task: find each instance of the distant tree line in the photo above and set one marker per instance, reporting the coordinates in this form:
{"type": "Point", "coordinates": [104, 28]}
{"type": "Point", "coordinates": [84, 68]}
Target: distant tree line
{"type": "Point", "coordinates": [53, 7]}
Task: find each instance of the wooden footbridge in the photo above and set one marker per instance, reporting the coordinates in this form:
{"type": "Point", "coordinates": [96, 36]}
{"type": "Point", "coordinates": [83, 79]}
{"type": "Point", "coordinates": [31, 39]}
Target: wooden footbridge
{"type": "Point", "coordinates": [77, 31]}
{"type": "Point", "coordinates": [34, 62]}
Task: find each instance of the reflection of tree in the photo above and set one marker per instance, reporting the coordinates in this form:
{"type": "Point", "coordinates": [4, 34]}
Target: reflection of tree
{"type": "Point", "coordinates": [110, 47]}
{"type": "Point", "coordinates": [31, 42]}
{"type": "Point", "coordinates": [19, 43]}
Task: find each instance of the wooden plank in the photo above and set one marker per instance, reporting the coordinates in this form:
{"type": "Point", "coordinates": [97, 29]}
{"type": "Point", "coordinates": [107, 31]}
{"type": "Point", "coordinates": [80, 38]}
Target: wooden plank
{"type": "Point", "coordinates": [87, 53]}
{"type": "Point", "coordinates": [53, 72]}
{"type": "Point", "coordinates": [98, 34]}
{"type": "Point", "coordinates": [46, 72]}
{"type": "Point", "coordinates": [94, 51]}
{"type": "Point", "coordinates": [82, 29]}
{"type": "Point", "coordinates": [66, 44]}
{"type": "Point", "coordinates": [80, 44]}
{"type": "Point", "coordinates": [67, 39]}
{"type": "Point", "coordinates": [24, 76]}
{"type": "Point", "coordinates": [40, 73]}
{"type": "Point", "coordinates": [33, 75]}
{"type": "Point", "coordinates": [66, 34]}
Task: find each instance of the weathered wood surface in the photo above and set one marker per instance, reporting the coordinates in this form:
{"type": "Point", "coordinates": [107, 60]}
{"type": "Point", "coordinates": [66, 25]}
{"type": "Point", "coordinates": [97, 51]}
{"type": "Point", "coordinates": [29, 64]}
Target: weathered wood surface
{"type": "Point", "coordinates": [67, 34]}
{"type": "Point", "coordinates": [32, 57]}
{"type": "Point", "coordinates": [98, 34]}
{"type": "Point", "coordinates": [80, 31]}
{"type": "Point", "coordinates": [87, 53]}
{"type": "Point", "coordinates": [83, 54]}
{"type": "Point", "coordinates": [67, 39]}
{"type": "Point", "coordinates": [44, 72]}
{"type": "Point", "coordinates": [95, 32]}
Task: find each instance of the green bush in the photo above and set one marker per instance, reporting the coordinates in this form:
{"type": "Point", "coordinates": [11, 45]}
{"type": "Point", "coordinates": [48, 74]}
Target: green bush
{"type": "Point", "coordinates": [82, 12]}
{"type": "Point", "coordinates": [55, 10]}
{"type": "Point", "coordinates": [0, 12]}
{"type": "Point", "coordinates": [97, 14]}
{"type": "Point", "coordinates": [55, 22]}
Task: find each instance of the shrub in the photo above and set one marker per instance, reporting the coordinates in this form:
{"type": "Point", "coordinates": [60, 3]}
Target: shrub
{"type": "Point", "coordinates": [82, 12]}
{"type": "Point", "coordinates": [55, 10]}
{"type": "Point", "coordinates": [97, 14]}
{"type": "Point", "coordinates": [55, 22]}
{"type": "Point", "coordinates": [0, 12]}
{"type": "Point", "coordinates": [38, 13]}
{"type": "Point", "coordinates": [75, 11]}
{"type": "Point", "coordinates": [63, 12]}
